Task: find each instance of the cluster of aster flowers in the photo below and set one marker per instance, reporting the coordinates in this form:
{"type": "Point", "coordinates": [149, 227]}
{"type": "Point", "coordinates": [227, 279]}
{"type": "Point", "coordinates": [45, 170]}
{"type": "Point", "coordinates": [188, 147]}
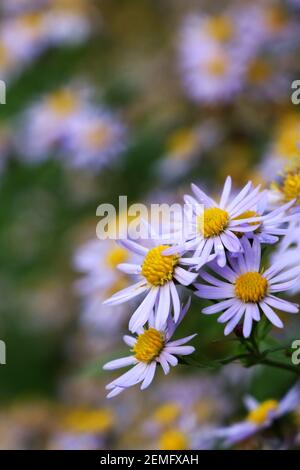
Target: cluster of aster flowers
{"type": "Point", "coordinates": [67, 123]}
{"type": "Point", "coordinates": [28, 28]}
{"type": "Point", "coordinates": [221, 55]}
{"type": "Point", "coordinates": [219, 258]}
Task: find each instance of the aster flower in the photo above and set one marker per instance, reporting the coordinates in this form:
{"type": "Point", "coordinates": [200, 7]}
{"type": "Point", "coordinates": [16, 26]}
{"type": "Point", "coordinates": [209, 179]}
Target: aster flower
{"type": "Point", "coordinates": [246, 290]}
{"type": "Point", "coordinates": [158, 275]}
{"type": "Point", "coordinates": [95, 138]}
{"type": "Point", "coordinates": [97, 261]}
{"type": "Point", "coordinates": [214, 226]}
{"type": "Point", "coordinates": [150, 348]}
{"type": "Point", "coordinates": [273, 223]}
{"type": "Point", "coordinates": [260, 417]}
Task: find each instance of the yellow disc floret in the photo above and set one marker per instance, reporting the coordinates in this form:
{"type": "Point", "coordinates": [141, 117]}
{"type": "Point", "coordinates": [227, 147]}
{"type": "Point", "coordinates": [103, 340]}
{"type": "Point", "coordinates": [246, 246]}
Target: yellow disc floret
{"type": "Point", "coordinates": [260, 414]}
{"type": "Point", "coordinates": [149, 345]}
{"type": "Point", "coordinates": [213, 222]}
{"type": "Point", "coordinates": [173, 440]}
{"type": "Point", "coordinates": [157, 268]}
{"type": "Point", "coordinates": [217, 66]}
{"type": "Point", "coordinates": [251, 287]}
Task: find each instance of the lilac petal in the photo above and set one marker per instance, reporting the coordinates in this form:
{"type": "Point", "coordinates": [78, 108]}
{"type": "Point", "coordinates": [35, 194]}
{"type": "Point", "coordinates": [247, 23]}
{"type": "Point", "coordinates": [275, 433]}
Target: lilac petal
{"type": "Point", "coordinates": [271, 315]}
{"type": "Point", "coordinates": [180, 350]}
{"type": "Point", "coordinates": [134, 247]}
{"type": "Point", "coordinates": [184, 277]}
{"type": "Point", "coordinates": [179, 342]}
{"type": "Point", "coordinates": [230, 312]}
{"type": "Point", "coordinates": [219, 249]}
{"type": "Point", "coordinates": [163, 309]}
{"type": "Point", "coordinates": [127, 293]}
{"type": "Point", "coordinates": [150, 372]}
{"type": "Point", "coordinates": [281, 304]}
{"type": "Point", "coordinates": [164, 363]}
{"type": "Point", "coordinates": [175, 301]}
{"type": "Point", "coordinates": [114, 392]}
{"type": "Point", "coordinates": [226, 193]}
{"type": "Point", "coordinates": [129, 268]}
{"type": "Point", "coordinates": [170, 358]}
{"type": "Point", "coordinates": [131, 377]}
{"type": "Point", "coordinates": [234, 321]}
{"type": "Point", "coordinates": [230, 241]}
{"type": "Point", "coordinates": [202, 197]}
{"type": "Point", "coordinates": [213, 280]}
{"type": "Point", "coordinates": [216, 308]}
{"type": "Point", "coordinates": [209, 292]}
{"type": "Point", "coordinates": [283, 286]}
{"type": "Point", "coordinates": [141, 315]}
{"type": "Point", "coordinates": [247, 326]}
{"type": "Point", "coordinates": [118, 363]}
{"type": "Point", "coordinates": [129, 340]}
{"type": "Point", "coordinates": [239, 196]}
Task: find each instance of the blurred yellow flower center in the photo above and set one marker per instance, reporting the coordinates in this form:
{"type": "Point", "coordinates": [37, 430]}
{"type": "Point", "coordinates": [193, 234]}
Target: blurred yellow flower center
{"type": "Point", "coordinates": [182, 143]}
{"type": "Point", "coordinates": [98, 137]}
{"type": "Point", "coordinates": [260, 414]}
{"type": "Point", "coordinates": [116, 256]}
{"type": "Point", "coordinates": [63, 102]}
{"type": "Point", "coordinates": [220, 28]}
{"type": "Point", "coordinates": [276, 19]}
{"type": "Point", "coordinates": [157, 268]}
{"type": "Point", "coordinates": [167, 413]}
{"type": "Point", "coordinates": [149, 345]}
{"type": "Point", "coordinates": [32, 20]}
{"type": "Point", "coordinates": [173, 440]}
{"type": "Point", "coordinates": [217, 66]}
{"type": "Point", "coordinates": [291, 187]}
{"type": "Point", "coordinates": [4, 56]}
{"type": "Point", "coordinates": [288, 137]}
{"type": "Point", "coordinates": [251, 287]}
{"type": "Point", "coordinates": [212, 222]}
{"type": "Point", "coordinates": [258, 71]}
{"type": "Point", "coordinates": [90, 421]}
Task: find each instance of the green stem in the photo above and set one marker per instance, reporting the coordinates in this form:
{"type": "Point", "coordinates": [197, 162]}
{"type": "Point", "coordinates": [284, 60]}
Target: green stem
{"type": "Point", "coordinates": [280, 365]}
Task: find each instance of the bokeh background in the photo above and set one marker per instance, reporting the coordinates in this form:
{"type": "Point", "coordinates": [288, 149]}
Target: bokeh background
{"type": "Point", "coordinates": [139, 98]}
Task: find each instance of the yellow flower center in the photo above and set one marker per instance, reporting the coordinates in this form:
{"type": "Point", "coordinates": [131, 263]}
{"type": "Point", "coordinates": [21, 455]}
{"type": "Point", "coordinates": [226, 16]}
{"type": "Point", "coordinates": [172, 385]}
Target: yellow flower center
{"type": "Point", "coordinates": [217, 66]}
{"type": "Point", "coordinates": [251, 287]}
{"type": "Point", "coordinates": [212, 222]}
{"type": "Point", "coordinates": [173, 440]}
{"type": "Point", "coordinates": [220, 28]}
{"type": "Point", "coordinates": [258, 71]}
{"type": "Point", "coordinates": [157, 268]}
{"type": "Point", "coordinates": [291, 187]}
{"type": "Point", "coordinates": [148, 345]}
{"type": "Point", "coordinates": [90, 421]}
{"type": "Point", "coordinates": [63, 102]}
{"type": "Point", "coordinates": [167, 413]}
{"type": "Point", "coordinates": [260, 414]}
{"type": "Point", "coordinates": [4, 56]}
{"type": "Point", "coordinates": [182, 143]}
{"type": "Point", "coordinates": [276, 19]}
{"type": "Point", "coordinates": [98, 137]}
{"type": "Point", "coordinates": [116, 256]}
{"type": "Point", "coordinates": [32, 20]}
